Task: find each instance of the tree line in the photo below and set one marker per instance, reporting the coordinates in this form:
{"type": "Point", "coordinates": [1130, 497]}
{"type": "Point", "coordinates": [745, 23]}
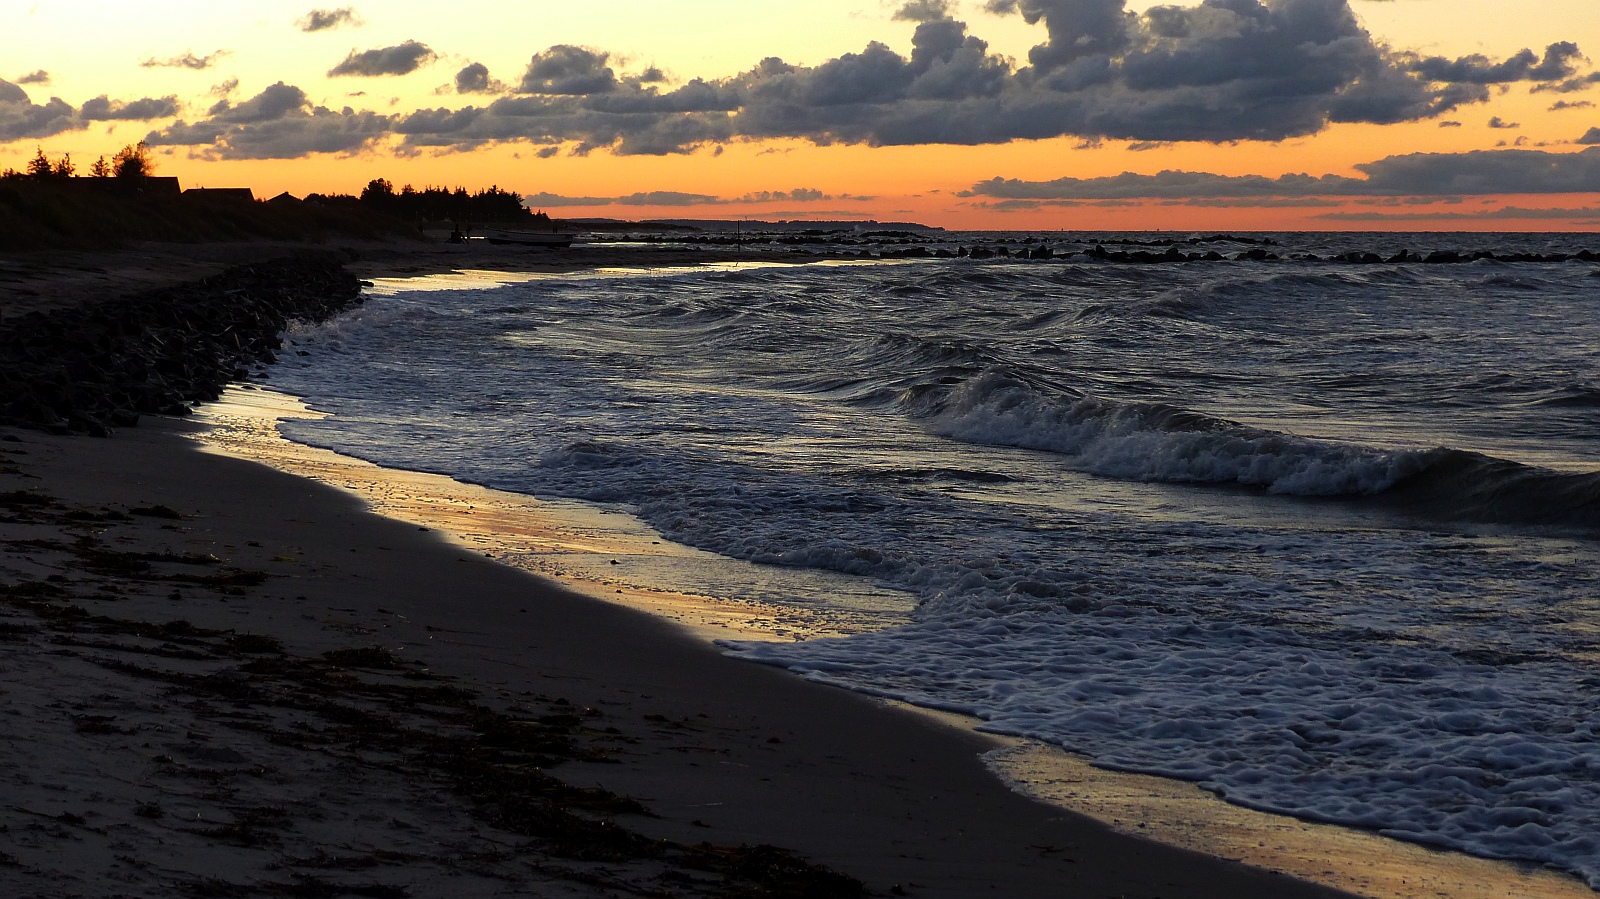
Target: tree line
{"type": "Point", "coordinates": [132, 161]}
{"type": "Point", "coordinates": [432, 204]}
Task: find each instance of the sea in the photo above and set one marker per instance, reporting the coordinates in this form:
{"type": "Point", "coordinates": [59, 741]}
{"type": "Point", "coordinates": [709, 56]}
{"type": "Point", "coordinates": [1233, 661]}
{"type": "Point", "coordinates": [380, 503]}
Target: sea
{"type": "Point", "coordinates": [1322, 537]}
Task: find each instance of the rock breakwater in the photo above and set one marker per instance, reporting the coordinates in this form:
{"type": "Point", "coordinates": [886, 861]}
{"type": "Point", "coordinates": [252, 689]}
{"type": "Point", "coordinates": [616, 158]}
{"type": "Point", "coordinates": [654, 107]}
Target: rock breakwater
{"type": "Point", "coordinates": [95, 367]}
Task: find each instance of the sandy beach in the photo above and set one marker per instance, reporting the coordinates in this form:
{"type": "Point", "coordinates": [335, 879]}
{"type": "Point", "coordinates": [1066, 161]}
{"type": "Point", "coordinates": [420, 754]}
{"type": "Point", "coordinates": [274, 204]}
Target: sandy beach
{"type": "Point", "coordinates": [222, 678]}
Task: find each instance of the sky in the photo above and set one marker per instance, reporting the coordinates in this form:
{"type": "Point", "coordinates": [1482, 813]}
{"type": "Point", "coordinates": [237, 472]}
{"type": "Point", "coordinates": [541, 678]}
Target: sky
{"type": "Point", "coordinates": [992, 114]}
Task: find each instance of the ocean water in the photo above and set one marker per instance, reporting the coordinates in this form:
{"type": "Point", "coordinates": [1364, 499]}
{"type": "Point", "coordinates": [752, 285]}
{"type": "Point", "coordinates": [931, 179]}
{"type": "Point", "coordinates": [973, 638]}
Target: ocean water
{"type": "Point", "coordinates": [1321, 537]}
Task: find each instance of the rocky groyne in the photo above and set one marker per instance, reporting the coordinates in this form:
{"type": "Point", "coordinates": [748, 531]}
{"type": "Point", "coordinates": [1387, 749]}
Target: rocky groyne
{"type": "Point", "coordinates": [95, 367]}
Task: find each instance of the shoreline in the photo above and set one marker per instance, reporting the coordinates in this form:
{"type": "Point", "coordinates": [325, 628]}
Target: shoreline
{"type": "Point", "coordinates": [236, 503]}
{"type": "Point", "coordinates": [717, 750]}
{"type": "Point", "coordinates": [525, 533]}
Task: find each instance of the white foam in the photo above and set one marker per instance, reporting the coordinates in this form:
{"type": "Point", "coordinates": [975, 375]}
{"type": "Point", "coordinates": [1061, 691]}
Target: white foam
{"type": "Point", "coordinates": [1143, 443]}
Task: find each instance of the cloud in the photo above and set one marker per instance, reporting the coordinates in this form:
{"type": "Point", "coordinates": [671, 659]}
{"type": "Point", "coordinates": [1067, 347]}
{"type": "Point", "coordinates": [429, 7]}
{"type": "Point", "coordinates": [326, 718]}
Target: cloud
{"type": "Point", "coordinates": [1591, 137]}
{"type": "Point", "coordinates": [548, 199]}
{"type": "Point", "coordinates": [1255, 202]}
{"type": "Point", "coordinates": [1448, 123]}
{"type": "Point", "coordinates": [1482, 172]}
{"type": "Point", "coordinates": [325, 19]}
{"type": "Point", "coordinates": [642, 198]}
{"type": "Point", "coordinates": [225, 88]}
{"type": "Point", "coordinates": [1497, 122]}
{"type": "Point", "coordinates": [1570, 104]}
{"type": "Point", "coordinates": [923, 11]}
{"type": "Point", "coordinates": [1506, 213]}
{"type": "Point", "coordinates": [278, 123]}
{"type": "Point", "coordinates": [668, 198]}
{"type": "Point", "coordinates": [1557, 64]}
{"type": "Point", "coordinates": [1476, 173]}
{"type": "Point", "coordinates": [1222, 71]}
{"type": "Point", "coordinates": [568, 70]}
{"type": "Point", "coordinates": [104, 109]}
{"type": "Point", "coordinates": [1571, 85]}
{"type": "Point", "coordinates": [38, 76]}
{"type": "Point", "coordinates": [22, 119]}
{"type": "Point", "coordinates": [401, 59]}
{"type": "Point", "coordinates": [798, 195]}
{"type": "Point", "coordinates": [677, 198]}
{"type": "Point", "coordinates": [187, 61]}
{"type": "Point", "coordinates": [474, 79]}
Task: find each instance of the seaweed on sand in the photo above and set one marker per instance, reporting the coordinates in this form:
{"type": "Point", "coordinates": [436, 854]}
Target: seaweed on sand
{"type": "Point", "coordinates": [366, 707]}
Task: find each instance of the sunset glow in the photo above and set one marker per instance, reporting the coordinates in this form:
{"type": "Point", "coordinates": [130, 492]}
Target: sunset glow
{"type": "Point", "coordinates": [880, 109]}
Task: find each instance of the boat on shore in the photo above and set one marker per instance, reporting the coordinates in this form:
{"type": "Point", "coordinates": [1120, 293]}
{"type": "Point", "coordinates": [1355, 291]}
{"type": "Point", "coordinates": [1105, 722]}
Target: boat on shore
{"type": "Point", "coordinates": [514, 237]}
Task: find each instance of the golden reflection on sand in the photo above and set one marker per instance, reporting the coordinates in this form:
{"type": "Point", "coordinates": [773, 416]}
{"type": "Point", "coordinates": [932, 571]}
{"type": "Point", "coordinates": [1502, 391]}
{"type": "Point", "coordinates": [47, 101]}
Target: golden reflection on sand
{"type": "Point", "coordinates": [613, 556]}
{"type": "Point", "coordinates": [609, 555]}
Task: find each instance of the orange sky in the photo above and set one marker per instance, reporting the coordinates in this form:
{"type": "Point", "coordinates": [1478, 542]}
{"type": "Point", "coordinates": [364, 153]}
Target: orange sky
{"type": "Point", "coordinates": [843, 160]}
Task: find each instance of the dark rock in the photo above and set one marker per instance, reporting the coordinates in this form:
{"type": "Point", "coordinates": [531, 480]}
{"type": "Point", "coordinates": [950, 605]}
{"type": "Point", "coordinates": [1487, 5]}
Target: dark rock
{"type": "Point", "coordinates": [92, 368]}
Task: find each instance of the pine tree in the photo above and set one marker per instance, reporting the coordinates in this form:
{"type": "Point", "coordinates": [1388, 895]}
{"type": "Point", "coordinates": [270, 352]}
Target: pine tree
{"type": "Point", "coordinates": [39, 166]}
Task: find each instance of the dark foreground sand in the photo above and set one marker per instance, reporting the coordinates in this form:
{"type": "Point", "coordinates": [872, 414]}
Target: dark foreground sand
{"type": "Point", "coordinates": [125, 784]}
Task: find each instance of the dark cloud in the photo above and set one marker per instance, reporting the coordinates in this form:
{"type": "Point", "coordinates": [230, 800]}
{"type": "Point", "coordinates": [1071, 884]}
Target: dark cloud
{"type": "Point", "coordinates": [104, 109]}
{"type": "Point", "coordinates": [1506, 213]}
{"type": "Point", "coordinates": [1570, 85]}
{"type": "Point", "coordinates": [38, 76]}
{"type": "Point", "coordinates": [1167, 184]}
{"type": "Point", "coordinates": [1480, 172]}
{"type": "Point", "coordinates": [278, 123]}
{"type": "Point", "coordinates": [1485, 172]}
{"type": "Point", "coordinates": [324, 19]}
{"type": "Point", "coordinates": [568, 70]}
{"type": "Point", "coordinates": [923, 11]}
{"type": "Point", "coordinates": [676, 198]}
{"type": "Point", "coordinates": [1255, 202]}
{"type": "Point", "coordinates": [548, 199]}
{"type": "Point", "coordinates": [798, 195]}
{"type": "Point", "coordinates": [1497, 122]}
{"type": "Point", "coordinates": [668, 198]}
{"type": "Point", "coordinates": [401, 59]}
{"type": "Point", "coordinates": [1447, 123]}
{"type": "Point", "coordinates": [1570, 104]}
{"type": "Point", "coordinates": [186, 61]}
{"type": "Point", "coordinates": [1591, 137]}
{"type": "Point", "coordinates": [22, 119]}
{"type": "Point", "coordinates": [225, 88]}
{"type": "Point", "coordinates": [1222, 71]}
{"type": "Point", "coordinates": [1559, 62]}
{"type": "Point", "coordinates": [474, 79]}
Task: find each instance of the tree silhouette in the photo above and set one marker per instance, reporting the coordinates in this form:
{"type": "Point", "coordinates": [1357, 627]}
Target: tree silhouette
{"type": "Point", "coordinates": [133, 161]}
{"type": "Point", "coordinates": [41, 168]}
{"type": "Point", "coordinates": [439, 204]}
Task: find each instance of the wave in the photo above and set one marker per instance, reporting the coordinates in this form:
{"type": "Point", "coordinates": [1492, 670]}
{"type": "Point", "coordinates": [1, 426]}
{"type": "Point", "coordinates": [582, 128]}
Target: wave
{"type": "Point", "coordinates": [1157, 442]}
